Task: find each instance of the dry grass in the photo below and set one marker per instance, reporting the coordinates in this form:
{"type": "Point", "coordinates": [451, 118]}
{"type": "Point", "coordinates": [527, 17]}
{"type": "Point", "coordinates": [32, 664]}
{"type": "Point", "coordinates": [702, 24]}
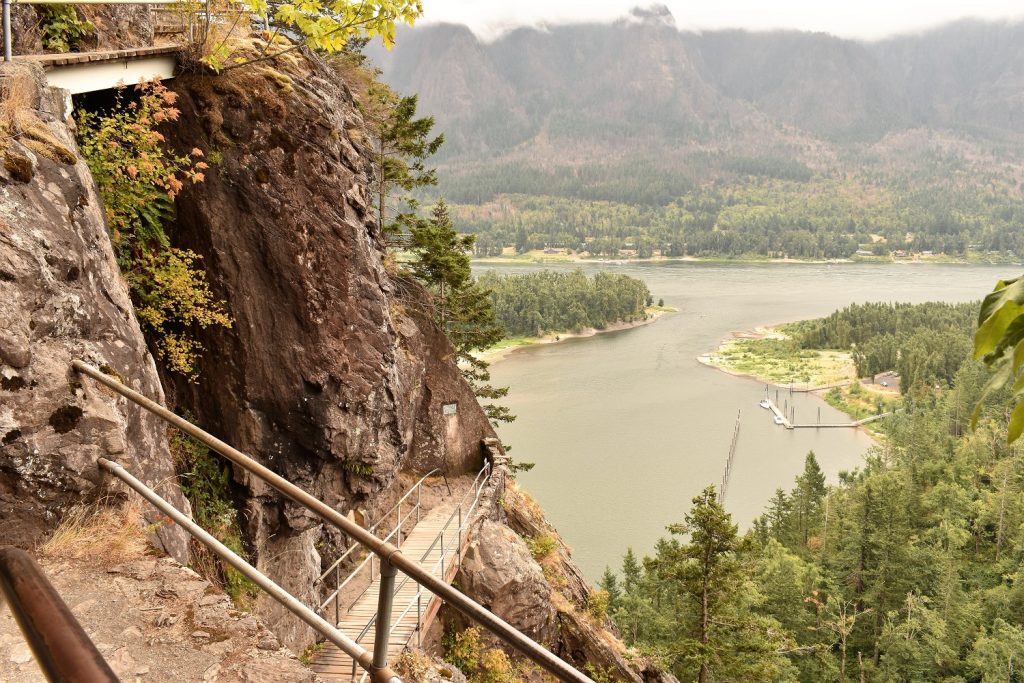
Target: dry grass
{"type": "Point", "coordinates": [18, 119]}
{"type": "Point", "coordinates": [283, 82]}
{"type": "Point", "coordinates": [412, 665]}
{"type": "Point", "coordinates": [17, 98]}
{"type": "Point", "coordinates": [102, 532]}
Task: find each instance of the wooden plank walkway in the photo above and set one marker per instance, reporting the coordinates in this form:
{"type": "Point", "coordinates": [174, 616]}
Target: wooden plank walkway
{"type": "Point", "coordinates": [72, 58]}
{"type": "Point", "coordinates": [334, 665]}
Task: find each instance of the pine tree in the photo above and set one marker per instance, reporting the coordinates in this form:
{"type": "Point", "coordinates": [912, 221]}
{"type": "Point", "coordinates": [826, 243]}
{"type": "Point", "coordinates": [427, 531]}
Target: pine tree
{"type": "Point", "coordinates": [718, 635]}
{"type": "Point", "coordinates": [462, 309]}
{"type": "Point", "coordinates": [806, 500]}
{"type": "Point", "coordinates": [441, 260]}
{"type": "Point", "coordinates": [402, 147]}
{"type": "Point", "coordinates": [609, 583]}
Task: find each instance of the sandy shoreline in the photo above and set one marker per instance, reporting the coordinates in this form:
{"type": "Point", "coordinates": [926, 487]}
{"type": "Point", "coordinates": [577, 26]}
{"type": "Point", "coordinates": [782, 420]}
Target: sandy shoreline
{"type": "Point", "coordinates": [492, 356]}
{"type": "Point", "coordinates": [561, 258]}
{"type": "Point", "coordinates": [715, 359]}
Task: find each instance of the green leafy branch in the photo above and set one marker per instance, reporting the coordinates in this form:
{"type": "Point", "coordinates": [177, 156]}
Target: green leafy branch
{"type": "Point", "coordinates": [321, 26]}
{"type": "Point", "coordinates": [999, 343]}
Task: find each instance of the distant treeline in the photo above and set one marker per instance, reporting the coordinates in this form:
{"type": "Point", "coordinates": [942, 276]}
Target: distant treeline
{"type": "Point", "coordinates": [924, 343]}
{"type": "Point", "coordinates": [814, 219]}
{"type": "Point", "coordinates": [532, 304]}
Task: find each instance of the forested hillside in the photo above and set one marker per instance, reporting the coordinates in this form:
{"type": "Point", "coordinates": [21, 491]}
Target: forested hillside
{"type": "Point", "coordinates": [908, 569]}
{"type": "Point", "coordinates": [726, 142]}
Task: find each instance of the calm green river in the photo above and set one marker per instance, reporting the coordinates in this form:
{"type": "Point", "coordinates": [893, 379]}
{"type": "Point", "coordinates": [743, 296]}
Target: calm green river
{"type": "Point", "coordinates": [626, 427]}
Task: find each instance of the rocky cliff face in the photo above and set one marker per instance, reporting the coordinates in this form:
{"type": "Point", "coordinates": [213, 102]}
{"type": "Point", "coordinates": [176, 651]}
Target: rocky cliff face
{"type": "Point", "coordinates": [113, 27]}
{"type": "Point", "coordinates": [62, 298]}
{"type": "Point", "coordinates": [330, 375]}
{"type": "Point", "coordinates": [333, 374]}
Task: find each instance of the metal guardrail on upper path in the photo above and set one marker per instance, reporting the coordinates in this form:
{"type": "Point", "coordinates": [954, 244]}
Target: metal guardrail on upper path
{"type": "Point", "coordinates": [8, 43]}
{"type": "Point", "coordinates": [390, 557]}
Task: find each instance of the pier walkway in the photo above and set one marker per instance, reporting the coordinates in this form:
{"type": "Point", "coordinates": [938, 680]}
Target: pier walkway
{"type": "Point", "coordinates": [822, 425]}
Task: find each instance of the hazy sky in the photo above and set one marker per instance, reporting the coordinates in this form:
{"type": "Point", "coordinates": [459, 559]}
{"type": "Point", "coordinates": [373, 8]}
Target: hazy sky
{"type": "Point", "coordinates": [847, 18]}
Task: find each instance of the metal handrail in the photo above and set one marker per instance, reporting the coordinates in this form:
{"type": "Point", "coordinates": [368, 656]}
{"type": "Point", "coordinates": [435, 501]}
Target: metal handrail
{"type": "Point", "coordinates": [7, 12]}
{"type": "Point", "coordinates": [389, 554]}
{"type": "Point", "coordinates": [401, 500]}
{"type": "Point", "coordinates": [373, 527]}
{"type": "Point", "coordinates": [346, 644]}
{"type": "Point", "coordinates": [476, 487]}
{"type": "Point", "coordinates": [416, 599]}
{"type": "Point", "coordinates": [58, 642]}
{"type": "Point", "coordinates": [395, 532]}
{"type": "Point", "coordinates": [475, 490]}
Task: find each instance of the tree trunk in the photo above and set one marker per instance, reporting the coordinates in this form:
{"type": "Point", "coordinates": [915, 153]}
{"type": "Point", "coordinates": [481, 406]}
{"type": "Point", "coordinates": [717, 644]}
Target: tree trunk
{"type": "Point", "coordinates": [705, 620]}
{"type": "Point", "coordinates": [1002, 513]}
{"type": "Point", "coordinates": [380, 190]}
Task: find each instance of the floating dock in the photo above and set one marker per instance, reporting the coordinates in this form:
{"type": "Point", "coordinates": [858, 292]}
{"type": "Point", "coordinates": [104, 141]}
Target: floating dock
{"type": "Point", "coordinates": [823, 425]}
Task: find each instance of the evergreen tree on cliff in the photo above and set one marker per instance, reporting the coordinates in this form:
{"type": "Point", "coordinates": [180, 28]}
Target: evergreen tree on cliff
{"type": "Point", "coordinates": [442, 261]}
{"type": "Point", "coordinates": [403, 144]}
{"type": "Point", "coordinates": [717, 634]}
{"type": "Point", "coordinates": [462, 309]}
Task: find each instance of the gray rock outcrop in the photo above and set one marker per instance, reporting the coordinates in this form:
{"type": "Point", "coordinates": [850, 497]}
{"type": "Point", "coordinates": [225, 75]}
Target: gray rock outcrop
{"type": "Point", "coordinates": [549, 598]}
{"type": "Point", "coordinates": [499, 573]}
{"type": "Point", "coordinates": [62, 298]}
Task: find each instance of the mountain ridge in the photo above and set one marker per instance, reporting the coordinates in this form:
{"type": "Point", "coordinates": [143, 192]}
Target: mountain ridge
{"type": "Point", "coordinates": [682, 108]}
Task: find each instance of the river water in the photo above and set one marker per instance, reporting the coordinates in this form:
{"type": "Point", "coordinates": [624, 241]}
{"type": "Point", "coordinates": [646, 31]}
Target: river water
{"type": "Point", "coordinates": [626, 427]}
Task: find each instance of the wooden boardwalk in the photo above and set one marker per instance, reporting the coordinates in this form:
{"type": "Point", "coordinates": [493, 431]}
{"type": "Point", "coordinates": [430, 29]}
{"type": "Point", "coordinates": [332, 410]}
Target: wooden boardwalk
{"type": "Point", "coordinates": [48, 61]}
{"type": "Point", "coordinates": [334, 665]}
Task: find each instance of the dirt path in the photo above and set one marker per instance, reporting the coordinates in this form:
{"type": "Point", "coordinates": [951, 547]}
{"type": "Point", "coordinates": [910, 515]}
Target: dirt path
{"type": "Point", "coordinates": [154, 620]}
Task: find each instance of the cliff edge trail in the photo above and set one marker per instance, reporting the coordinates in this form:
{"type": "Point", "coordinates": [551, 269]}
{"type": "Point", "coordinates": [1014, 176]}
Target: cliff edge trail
{"type": "Point", "coordinates": [151, 618]}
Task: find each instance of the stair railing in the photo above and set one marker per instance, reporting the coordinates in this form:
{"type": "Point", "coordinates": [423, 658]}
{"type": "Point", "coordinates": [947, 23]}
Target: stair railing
{"type": "Point", "coordinates": [391, 558]}
{"type": "Point", "coordinates": [463, 514]}
{"type": "Point", "coordinates": [412, 515]}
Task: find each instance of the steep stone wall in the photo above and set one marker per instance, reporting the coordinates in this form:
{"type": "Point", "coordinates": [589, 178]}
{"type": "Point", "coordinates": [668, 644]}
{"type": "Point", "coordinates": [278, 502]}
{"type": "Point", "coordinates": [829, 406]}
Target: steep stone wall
{"type": "Point", "coordinates": [114, 27]}
{"type": "Point", "coordinates": [330, 375]}
{"type": "Point", "coordinates": [62, 298]}
{"type": "Point", "coordinates": [547, 597]}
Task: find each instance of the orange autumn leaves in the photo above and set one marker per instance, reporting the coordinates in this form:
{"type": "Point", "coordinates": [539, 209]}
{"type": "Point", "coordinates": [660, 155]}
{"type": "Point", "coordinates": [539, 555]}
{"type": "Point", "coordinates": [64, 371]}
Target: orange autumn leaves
{"type": "Point", "coordinates": [139, 176]}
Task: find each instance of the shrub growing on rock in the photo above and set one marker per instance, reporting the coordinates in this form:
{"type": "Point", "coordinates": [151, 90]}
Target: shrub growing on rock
{"type": "Point", "coordinates": [138, 177]}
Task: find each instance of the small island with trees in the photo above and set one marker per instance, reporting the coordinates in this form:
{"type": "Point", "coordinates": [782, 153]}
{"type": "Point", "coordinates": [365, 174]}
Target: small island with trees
{"type": "Point", "coordinates": [548, 306]}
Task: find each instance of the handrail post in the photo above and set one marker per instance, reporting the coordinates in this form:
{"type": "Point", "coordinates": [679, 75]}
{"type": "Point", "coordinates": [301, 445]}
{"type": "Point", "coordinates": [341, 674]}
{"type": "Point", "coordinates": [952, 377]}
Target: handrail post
{"type": "Point", "coordinates": [383, 624]}
{"type": "Point", "coordinates": [7, 30]}
{"type": "Point", "coordinates": [337, 595]}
